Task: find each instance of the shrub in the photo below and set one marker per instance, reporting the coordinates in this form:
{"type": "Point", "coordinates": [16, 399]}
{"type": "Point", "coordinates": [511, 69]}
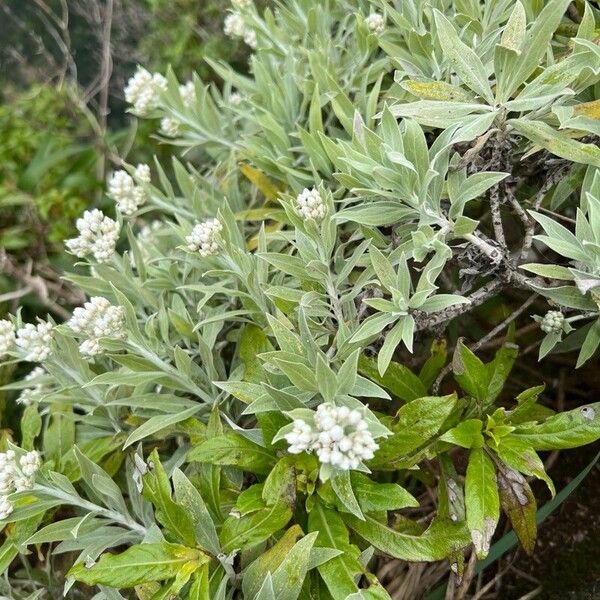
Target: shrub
{"type": "Point", "coordinates": [248, 403]}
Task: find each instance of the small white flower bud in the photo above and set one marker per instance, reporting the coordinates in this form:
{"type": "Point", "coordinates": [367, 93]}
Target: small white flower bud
{"type": "Point", "coordinates": [241, 4]}
{"type": "Point", "coordinates": [235, 98]}
{"type": "Point", "coordinates": [375, 22]}
{"type": "Point", "coordinates": [233, 26]}
{"type": "Point", "coordinates": [552, 322]}
{"type": "Point", "coordinates": [98, 235]}
{"type": "Point", "coordinates": [187, 91]}
{"type": "Point", "coordinates": [7, 336]}
{"type": "Point", "coordinates": [35, 340]}
{"type": "Point", "coordinates": [205, 237]}
{"type": "Point", "coordinates": [30, 463]}
{"type": "Point", "coordinates": [250, 38]}
{"type": "Point", "coordinates": [6, 508]}
{"type": "Point", "coordinates": [143, 91]}
{"type": "Point", "coordinates": [170, 127]}
{"type": "Point", "coordinates": [310, 205]}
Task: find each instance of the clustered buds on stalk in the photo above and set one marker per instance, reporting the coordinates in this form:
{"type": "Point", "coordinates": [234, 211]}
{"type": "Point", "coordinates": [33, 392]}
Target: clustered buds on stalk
{"type": "Point", "coordinates": [16, 476]}
{"type": "Point", "coordinates": [35, 340]}
{"type": "Point", "coordinates": [310, 205]}
{"type": "Point", "coordinates": [98, 235]}
{"type": "Point", "coordinates": [143, 90]}
{"type": "Point", "coordinates": [96, 319]}
{"type": "Point", "coordinates": [123, 190]}
{"type": "Point", "coordinates": [375, 22]}
{"type": "Point", "coordinates": [552, 322]}
{"type": "Point", "coordinates": [204, 238]}
{"type": "Point", "coordinates": [339, 436]}
{"type": "Point", "coordinates": [29, 395]}
{"type": "Point", "coordinates": [7, 336]}
{"type": "Point", "coordinates": [235, 27]}
{"type": "Point", "coordinates": [187, 91]}
{"type": "Point", "coordinates": [170, 127]}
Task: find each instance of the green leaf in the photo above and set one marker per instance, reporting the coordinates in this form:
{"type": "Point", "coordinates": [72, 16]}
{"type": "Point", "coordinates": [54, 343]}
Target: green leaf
{"type": "Point", "coordinates": [157, 489]}
{"type": "Point", "coordinates": [464, 60]}
{"type": "Point", "coordinates": [140, 564]}
{"type": "Point", "coordinates": [373, 496]}
{"type": "Point", "coordinates": [557, 143]}
{"type": "Point", "coordinates": [568, 429]}
{"type": "Point", "coordinates": [339, 573]}
{"type": "Point", "coordinates": [535, 43]}
{"type": "Point", "coordinates": [31, 425]}
{"type": "Point", "coordinates": [398, 379]}
{"type": "Point", "coordinates": [439, 541]}
{"type": "Point", "coordinates": [253, 528]}
{"type": "Point", "coordinates": [189, 498]}
{"type": "Point", "coordinates": [481, 500]}
{"type": "Point", "coordinates": [235, 450]}
{"type": "Point", "coordinates": [466, 434]}
{"type": "Point", "coordinates": [342, 486]}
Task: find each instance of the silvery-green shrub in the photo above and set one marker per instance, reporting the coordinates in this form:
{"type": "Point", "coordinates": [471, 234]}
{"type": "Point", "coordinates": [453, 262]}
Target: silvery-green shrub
{"type": "Point", "coordinates": [229, 415]}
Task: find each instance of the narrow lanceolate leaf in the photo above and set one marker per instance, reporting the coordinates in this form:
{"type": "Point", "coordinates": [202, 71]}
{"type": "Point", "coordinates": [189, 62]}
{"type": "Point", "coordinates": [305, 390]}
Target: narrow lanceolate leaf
{"type": "Point", "coordinates": [439, 541]}
{"type": "Point", "coordinates": [482, 500]}
{"type": "Point", "coordinates": [398, 379]}
{"type": "Point", "coordinates": [518, 502]}
{"type": "Point", "coordinates": [557, 143]}
{"type": "Point", "coordinates": [464, 60]}
{"type": "Point", "coordinates": [341, 573]}
{"type": "Point", "coordinates": [436, 90]}
{"type": "Point", "coordinates": [234, 450]}
{"type": "Point", "coordinates": [140, 564]}
{"type": "Point", "coordinates": [569, 429]}
{"type": "Point", "coordinates": [536, 43]}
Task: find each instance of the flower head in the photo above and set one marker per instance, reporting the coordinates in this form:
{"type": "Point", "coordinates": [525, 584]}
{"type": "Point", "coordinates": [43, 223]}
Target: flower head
{"type": "Point", "coordinates": [143, 90]}
{"type": "Point", "coordinates": [310, 205]}
{"type": "Point", "coordinates": [552, 322]}
{"type": "Point", "coordinates": [6, 508]}
{"type": "Point", "coordinates": [187, 91]}
{"type": "Point", "coordinates": [375, 22]}
{"type": "Point", "coordinates": [235, 98]}
{"type": "Point", "coordinates": [170, 127]}
{"type": "Point", "coordinates": [31, 394]}
{"type": "Point", "coordinates": [7, 336]}
{"type": "Point", "coordinates": [142, 173]}
{"type": "Point", "coordinates": [339, 436]}
{"type": "Point", "coordinates": [250, 38]}
{"type": "Point", "coordinates": [205, 237]}
{"type": "Point", "coordinates": [122, 189]}
{"type": "Point", "coordinates": [30, 463]}
{"type": "Point", "coordinates": [35, 341]}
{"type": "Point", "coordinates": [96, 319]}
{"type": "Point", "coordinates": [98, 235]}
{"type": "Point", "coordinates": [233, 26]}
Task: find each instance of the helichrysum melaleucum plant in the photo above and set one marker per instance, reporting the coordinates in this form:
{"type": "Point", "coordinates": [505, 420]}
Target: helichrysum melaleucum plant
{"type": "Point", "coordinates": [227, 416]}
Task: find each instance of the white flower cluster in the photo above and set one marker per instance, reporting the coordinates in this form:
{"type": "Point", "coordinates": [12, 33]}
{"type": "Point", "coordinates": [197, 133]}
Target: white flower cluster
{"type": "Point", "coordinates": [29, 395]}
{"type": "Point", "coordinates": [96, 319]}
{"type": "Point", "coordinates": [375, 22]}
{"type": "Point", "coordinates": [340, 437]}
{"type": "Point", "coordinates": [123, 190]}
{"type": "Point", "coordinates": [310, 205]}
{"type": "Point", "coordinates": [234, 27]}
{"type": "Point", "coordinates": [187, 91]}
{"type": "Point", "coordinates": [241, 4]}
{"type": "Point", "coordinates": [170, 127]}
{"type": "Point", "coordinates": [7, 336]}
{"type": "Point", "coordinates": [205, 237]}
{"type": "Point", "coordinates": [235, 98]}
{"type": "Point", "coordinates": [34, 341]}
{"type": "Point", "coordinates": [552, 322]}
{"type": "Point", "coordinates": [98, 235]}
{"type": "Point", "coordinates": [143, 90]}
{"type": "Point", "coordinates": [16, 477]}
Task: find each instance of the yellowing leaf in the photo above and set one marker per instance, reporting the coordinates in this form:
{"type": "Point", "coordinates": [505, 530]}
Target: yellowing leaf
{"type": "Point", "coordinates": [269, 189]}
{"type": "Point", "coordinates": [436, 90]}
{"type": "Point", "coordinates": [588, 109]}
